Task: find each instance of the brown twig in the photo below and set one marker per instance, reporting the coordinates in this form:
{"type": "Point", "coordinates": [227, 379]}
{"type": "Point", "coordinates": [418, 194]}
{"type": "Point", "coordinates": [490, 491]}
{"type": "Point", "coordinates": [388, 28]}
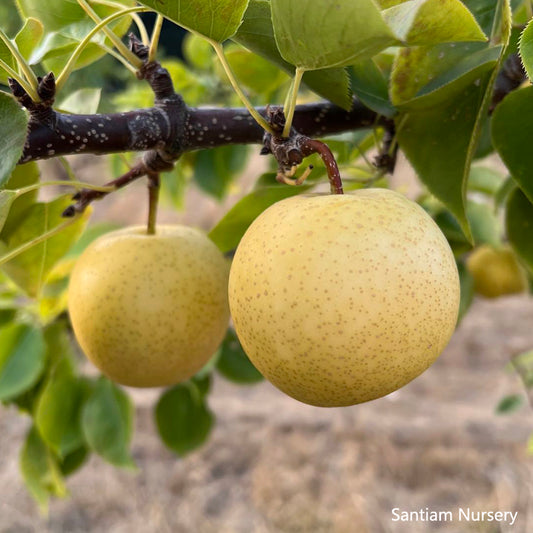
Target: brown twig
{"type": "Point", "coordinates": [510, 77]}
{"type": "Point", "coordinates": [388, 155]}
{"type": "Point", "coordinates": [85, 196]}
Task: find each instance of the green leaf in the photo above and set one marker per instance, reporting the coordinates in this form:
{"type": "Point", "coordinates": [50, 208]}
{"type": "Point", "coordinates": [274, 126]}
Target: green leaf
{"type": "Point", "coordinates": [107, 422]}
{"type": "Point", "coordinates": [59, 353]}
{"type": "Point", "coordinates": [467, 290]}
{"type": "Point", "coordinates": [183, 419]}
{"type": "Point", "coordinates": [40, 470]}
{"type": "Point", "coordinates": [444, 164]}
{"type": "Point", "coordinates": [215, 169]}
{"type": "Point", "coordinates": [6, 201]}
{"type": "Point", "coordinates": [484, 147]}
{"type": "Point", "coordinates": [384, 4]}
{"type": "Point", "coordinates": [22, 358]}
{"type": "Point", "coordinates": [234, 364]}
{"type": "Point", "coordinates": [484, 224]}
{"type": "Point", "coordinates": [348, 32]}
{"type": "Point", "coordinates": [512, 130]}
{"type": "Point", "coordinates": [7, 57]}
{"type": "Point", "coordinates": [423, 77]}
{"type": "Point", "coordinates": [524, 360]}
{"type": "Point", "coordinates": [58, 414]}
{"type": "Point", "coordinates": [442, 155]}
{"type": "Point", "coordinates": [257, 34]}
{"type": "Point", "coordinates": [83, 101]}
{"type": "Point", "coordinates": [519, 226]}
{"type": "Point", "coordinates": [174, 186]}
{"type": "Point", "coordinates": [28, 399]}
{"type": "Point", "coordinates": [217, 21]}
{"type": "Point", "coordinates": [22, 176]}
{"type": "Point", "coordinates": [53, 298]}
{"type": "Point", "coordinates": [74, 460]}
{"type": "Point", "coordinates": [506, 188]}
{"type": "Point", "coordinates": [453, 233]}
{"type": "Point", "coordinates": [65, 25]}
{"type": "Point", "coordinates": [229, 231]}
{"type": "Point", "coordinates": [13, 124]}
{"type": "Point", "coordinates": [7, 315]}
{"type": "Point", "coordinates": [370, 86]}
{"type": "Point", "coordinates": [526, 48]}
{"type": "Point", "coordinates": [485, 12]}
{"type": "Point", "coordinates": [29, 269]}
{"type": "Point", "coordinates": [510, 403]}
{"type": "Point", "coordinates": [56, 15]}
{"type": "Point", "coordinates": [91, 233]}
{"type": "Point", "coordinates": [198, 52]}
{"type": "Point", "coordinates": [56, 49]}
{"type": "Point", "coordinates": [421, 22]}
{"type": "Point", "coordinates": [254, 72]}
{"type": "Point", "coordinates": [203, 379]}
{"type": "Point", "coordinates": [485, 179]}
{"type": "Point", "coordinates": [29, 36]}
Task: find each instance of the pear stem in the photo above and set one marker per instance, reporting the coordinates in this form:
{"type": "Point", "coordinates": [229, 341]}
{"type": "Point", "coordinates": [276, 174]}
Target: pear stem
{"type": "Point", "coordinates": [334, 175]}
{"type": "Point", "coordinates": [153, 200]}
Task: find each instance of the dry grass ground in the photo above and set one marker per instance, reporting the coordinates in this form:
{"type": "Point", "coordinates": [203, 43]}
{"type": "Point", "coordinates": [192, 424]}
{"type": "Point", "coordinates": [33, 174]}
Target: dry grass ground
{"type": "Point", "coordinates": [275, 465]}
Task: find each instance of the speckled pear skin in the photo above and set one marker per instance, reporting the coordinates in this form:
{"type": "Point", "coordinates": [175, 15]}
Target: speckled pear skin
{"type": "Point", "coordinates": [150, 310]}
{"type": "Point", "coordinates": [341, 299]}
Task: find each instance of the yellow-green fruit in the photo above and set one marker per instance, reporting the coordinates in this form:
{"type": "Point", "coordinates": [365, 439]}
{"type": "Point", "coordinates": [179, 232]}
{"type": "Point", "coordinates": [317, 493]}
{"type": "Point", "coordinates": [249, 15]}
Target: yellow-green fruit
{"type": "Point", "coordinates": [150, 310]}
{"type": "Point", "coordinates": [341, 299]}
{"type": "Point", "coordinates": [496, 272]}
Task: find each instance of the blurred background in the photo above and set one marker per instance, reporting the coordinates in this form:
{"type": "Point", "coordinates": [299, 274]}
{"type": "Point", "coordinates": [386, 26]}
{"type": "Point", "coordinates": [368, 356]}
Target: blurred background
{"type": "Point", "coordinates": [273, 464]}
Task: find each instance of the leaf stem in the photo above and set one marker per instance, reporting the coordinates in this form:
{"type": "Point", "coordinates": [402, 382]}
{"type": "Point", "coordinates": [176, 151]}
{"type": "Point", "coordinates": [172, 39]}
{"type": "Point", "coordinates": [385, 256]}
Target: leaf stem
{"type": "Point", "coordinates": [26, 70]}
{"type": "Point", "coordinates": [38, 240]}
{"type": "Point", "coordinates": [235, 84]}
{"type": "Point", "coordinates": [138, 20]}
{"type": "Point", "coordinates": [288, 95]}
{"type": "Point", "coordinates": [68, 169]}
{"type": "Point", "coordinates": [23, 83]}
{"type": "Point", "coordinates": [119, 45]}
{"type": "Point", "coordinates": [63, 76]}
{"type": "Point", "coordinates": [154, 42]}
{"type": "Point", "coordinates": [117, 56]}
{"type": "Point", "coordinates": [75, 184]}
{"type": "Point", "coordinates": [289, 112]}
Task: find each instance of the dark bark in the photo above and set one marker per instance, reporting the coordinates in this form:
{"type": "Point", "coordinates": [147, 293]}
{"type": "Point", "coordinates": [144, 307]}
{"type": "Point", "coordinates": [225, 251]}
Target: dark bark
{"type": "Point", "coordinates": [173, 126]}
{"type": "Point", "coordinates": [510, 77]}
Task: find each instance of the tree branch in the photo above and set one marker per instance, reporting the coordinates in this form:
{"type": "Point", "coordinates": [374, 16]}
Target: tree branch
{"type": "Point", "coordinates": [171, 127]}
{"type": "Point", "coordinates": [176, 128]}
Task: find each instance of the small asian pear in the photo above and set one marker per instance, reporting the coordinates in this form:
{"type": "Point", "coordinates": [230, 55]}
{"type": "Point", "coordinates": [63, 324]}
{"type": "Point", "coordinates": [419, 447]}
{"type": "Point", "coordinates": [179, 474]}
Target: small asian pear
{"type": "Point", "coordinates": [150, 310]}
{"type": "Point", "coordinates": [496, 271]}
{"type": "Point", "coordinates": [341, 299]}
